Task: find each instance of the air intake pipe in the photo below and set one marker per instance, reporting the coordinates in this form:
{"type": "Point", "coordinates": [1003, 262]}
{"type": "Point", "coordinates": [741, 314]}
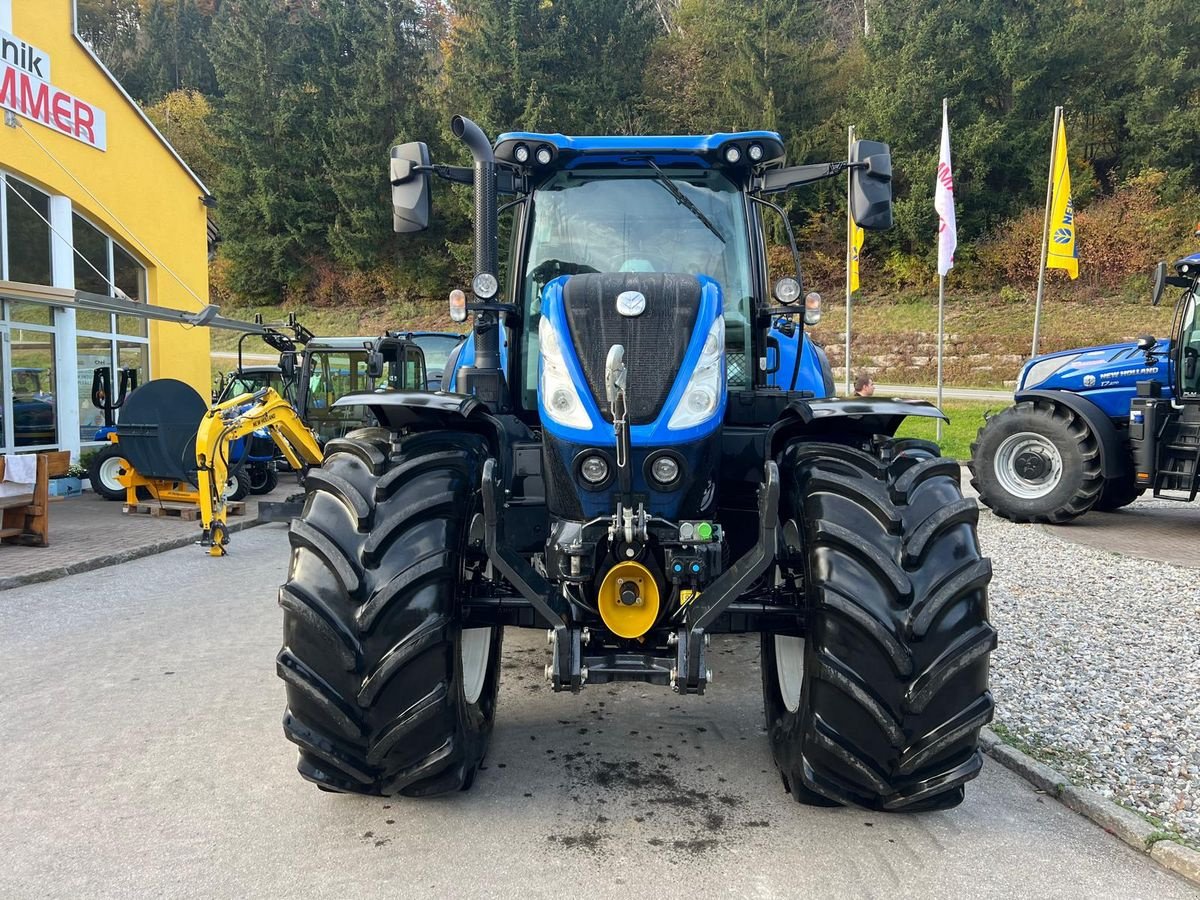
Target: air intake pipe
{"type": "Point", "coordinates": [487, 226]}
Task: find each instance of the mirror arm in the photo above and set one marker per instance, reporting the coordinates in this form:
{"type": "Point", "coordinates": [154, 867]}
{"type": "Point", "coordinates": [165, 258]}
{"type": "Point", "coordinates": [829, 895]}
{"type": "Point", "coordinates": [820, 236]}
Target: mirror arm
{"type": "Point", "coordinates": [777, 180]}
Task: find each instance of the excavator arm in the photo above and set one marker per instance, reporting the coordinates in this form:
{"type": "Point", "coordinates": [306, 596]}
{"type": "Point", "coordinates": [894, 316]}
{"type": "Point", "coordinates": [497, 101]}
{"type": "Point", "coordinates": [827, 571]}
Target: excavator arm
{"type": "Point", "coordinates": [225, 423]}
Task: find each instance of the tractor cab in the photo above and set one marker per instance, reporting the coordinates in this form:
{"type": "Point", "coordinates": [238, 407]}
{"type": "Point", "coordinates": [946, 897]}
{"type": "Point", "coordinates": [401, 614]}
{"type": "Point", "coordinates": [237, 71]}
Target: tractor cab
{"type": "Point", "coordinates": [334, 367]}
{"type": "Point", "coordinates": [1164, 431]}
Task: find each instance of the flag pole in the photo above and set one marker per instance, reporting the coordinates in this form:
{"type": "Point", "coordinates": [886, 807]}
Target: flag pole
{"type": "Point", "coordinates": [941, 340]}
{"type": "Point", "coordinates": [849, 255]}
{"type": "Point", "coordinates": [1041, 288]}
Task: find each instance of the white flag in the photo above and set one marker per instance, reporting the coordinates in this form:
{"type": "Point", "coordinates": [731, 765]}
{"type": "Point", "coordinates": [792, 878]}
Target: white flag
{"type": "Point", "coordinates": [943, 202]}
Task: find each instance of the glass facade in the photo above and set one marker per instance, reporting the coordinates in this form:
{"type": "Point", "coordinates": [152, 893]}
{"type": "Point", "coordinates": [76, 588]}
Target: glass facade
{"type": "Point", "coordinates": [105, 340]}
{"type": "Point", "coordinates": [28, 371]}
{"type": "Point", "coordinates": [30, 383]}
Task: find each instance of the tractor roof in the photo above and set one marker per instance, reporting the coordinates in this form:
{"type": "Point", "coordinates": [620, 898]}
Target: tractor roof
{"type": "Point", "coordinates": [707, 150]}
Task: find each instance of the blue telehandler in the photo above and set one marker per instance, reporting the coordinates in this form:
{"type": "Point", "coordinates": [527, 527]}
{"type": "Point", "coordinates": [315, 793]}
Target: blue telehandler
{"type": "Point", "coordinates": [640, 450]}
{"type": "Point", "coordinates": [1094, 428]}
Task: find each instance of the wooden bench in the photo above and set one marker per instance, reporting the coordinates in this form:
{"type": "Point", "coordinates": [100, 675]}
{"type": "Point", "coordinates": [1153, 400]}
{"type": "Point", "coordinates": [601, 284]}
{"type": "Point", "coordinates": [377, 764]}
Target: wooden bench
{"type": "Point", "coordinates": [26, 517]}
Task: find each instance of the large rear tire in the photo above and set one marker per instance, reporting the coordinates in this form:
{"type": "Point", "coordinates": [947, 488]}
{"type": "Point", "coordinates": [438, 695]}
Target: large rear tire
{"type": "Point", "coordinates": [880, 704]}
{"type": "Point", "coordinates": [1037, 462]}
{"type": "Point", "coordinates": [387, 693]}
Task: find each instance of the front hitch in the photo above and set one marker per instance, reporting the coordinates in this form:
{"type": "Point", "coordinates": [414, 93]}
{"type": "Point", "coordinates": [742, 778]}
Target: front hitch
{"type": "Point", "coordinates": [692, 673]}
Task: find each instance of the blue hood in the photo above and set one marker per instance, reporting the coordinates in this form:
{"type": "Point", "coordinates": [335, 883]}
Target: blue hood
{"type": "Point", "coordinates": [1106, 375]}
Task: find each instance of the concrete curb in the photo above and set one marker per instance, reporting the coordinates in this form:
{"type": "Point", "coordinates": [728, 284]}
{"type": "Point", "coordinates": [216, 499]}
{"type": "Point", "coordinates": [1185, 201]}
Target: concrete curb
{"type": "Point", "coordinates": [113, 559]}
{"type": "Point", "coordinates": [1116, 820]}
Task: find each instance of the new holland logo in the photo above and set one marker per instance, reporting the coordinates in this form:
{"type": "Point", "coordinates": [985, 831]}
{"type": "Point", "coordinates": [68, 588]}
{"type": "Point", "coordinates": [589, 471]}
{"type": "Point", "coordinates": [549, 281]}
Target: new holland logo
{"type": "Point", "coordinates": [1089, 380]}
{"type": "Point", "coordinates": [631, 303]}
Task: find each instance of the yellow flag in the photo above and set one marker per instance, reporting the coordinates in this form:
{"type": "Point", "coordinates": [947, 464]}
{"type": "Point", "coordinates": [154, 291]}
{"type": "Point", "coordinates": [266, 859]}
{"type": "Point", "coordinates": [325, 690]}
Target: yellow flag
{"type": "Point", "coordinates": [1062, 253]}
{"type": "Point", "coordinates": [857, 236]}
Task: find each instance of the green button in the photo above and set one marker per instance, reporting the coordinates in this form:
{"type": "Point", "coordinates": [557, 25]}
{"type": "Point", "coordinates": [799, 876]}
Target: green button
{"type": "Point", "coordinates": [704, 531]}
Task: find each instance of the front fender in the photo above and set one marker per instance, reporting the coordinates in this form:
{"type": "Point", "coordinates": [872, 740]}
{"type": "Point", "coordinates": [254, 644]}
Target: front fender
{"type": "Point", "coordinates": [397, 410]}
{"type": "Point", "coordinates": [856, 418]}
{"type": "Point", "coordinates": [1114, 458]}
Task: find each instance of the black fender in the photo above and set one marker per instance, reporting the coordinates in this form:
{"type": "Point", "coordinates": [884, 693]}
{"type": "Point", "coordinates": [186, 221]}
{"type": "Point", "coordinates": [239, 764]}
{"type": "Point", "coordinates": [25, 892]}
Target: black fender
{"type": "Point", "coordinates": [398, 410]}
{"type": "Point", "coordinates": [1114, 457]}
{"type": "Point", "coordinates": [441, 410]}
{"type": "Point", "coordinates": [853, 418]}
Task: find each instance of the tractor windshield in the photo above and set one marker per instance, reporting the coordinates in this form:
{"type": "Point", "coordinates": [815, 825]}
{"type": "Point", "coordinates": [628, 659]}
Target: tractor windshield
{"type": "Point", "coordinates": [622, 220]}
{"type": "Point", "coordinates": [1188, 372]}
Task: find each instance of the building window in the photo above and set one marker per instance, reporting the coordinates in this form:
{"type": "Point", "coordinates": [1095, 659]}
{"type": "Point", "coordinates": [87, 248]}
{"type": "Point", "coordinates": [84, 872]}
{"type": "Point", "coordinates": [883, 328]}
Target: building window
{"type": "Point", "coordinates": [26, 233]}
{"type": "Point", "coordinates": [106, 340]}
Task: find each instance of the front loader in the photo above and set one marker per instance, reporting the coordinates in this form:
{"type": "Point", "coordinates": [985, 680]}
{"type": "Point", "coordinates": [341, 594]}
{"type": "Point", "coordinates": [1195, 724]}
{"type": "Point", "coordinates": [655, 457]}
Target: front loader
{"type": "Point", "coordinates": [623, 463]}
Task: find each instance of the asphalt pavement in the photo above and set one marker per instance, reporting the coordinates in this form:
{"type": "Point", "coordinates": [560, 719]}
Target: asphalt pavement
{"type": "Point", "coordinates": [140, 715]}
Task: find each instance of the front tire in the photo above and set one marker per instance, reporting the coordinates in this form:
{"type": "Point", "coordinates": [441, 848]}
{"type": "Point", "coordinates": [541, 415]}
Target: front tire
{"type": "Point", "coordinates": [103, 470]}
{"type": "Point", "coordinates": [387, 693]}
{"type": "Point", "coordinates": [881, 703]}
{"type": "Point", "coordinates": [1037, 462]}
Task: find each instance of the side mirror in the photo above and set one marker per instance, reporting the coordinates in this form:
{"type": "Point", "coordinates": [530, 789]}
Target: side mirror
{"type": "Point", "coordinates": [410, 188]}
{"type": "Point", "coordinates": [374, 365]}
{"type": "Point", "coordinates": [287, 366]}
{"type": "Point", "coordinates": [1146, 342]}
{"type": "Point", "coordinates": [871, 185]}
{"type": "Point", "coordinates": [1160, 284]}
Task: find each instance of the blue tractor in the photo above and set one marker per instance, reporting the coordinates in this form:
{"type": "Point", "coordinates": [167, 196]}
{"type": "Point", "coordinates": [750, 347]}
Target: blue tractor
{"type": "Point", "coordinates": [639, 450]}
{"type": "Point", "coordinates": [1096, 427]}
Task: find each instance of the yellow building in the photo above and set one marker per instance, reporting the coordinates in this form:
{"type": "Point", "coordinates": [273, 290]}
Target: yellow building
{"type": "Point", "coordinates": [92, 198]}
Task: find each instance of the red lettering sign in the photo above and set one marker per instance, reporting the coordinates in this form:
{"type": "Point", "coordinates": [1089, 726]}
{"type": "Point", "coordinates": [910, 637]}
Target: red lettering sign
{"type": "Point", "coordinates": [53, 107]}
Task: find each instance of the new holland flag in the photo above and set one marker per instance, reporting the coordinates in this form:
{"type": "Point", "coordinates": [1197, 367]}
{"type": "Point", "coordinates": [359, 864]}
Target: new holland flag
{"type": "Point", "coordinates": [1062, 253]}
{"type": "Point", "coordinates": [857, 236]}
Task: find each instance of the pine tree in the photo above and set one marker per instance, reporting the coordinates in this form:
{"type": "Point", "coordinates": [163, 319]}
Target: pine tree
{"type": "Point", "coordinates": [372, 58]}
{"type": "Point", "coordinates": [274, 208]}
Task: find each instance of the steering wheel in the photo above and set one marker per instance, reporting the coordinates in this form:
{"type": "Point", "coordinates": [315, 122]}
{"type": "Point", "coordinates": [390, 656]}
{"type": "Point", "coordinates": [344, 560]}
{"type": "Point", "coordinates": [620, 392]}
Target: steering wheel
{"type": "Point", "coordinates": [550, 269]}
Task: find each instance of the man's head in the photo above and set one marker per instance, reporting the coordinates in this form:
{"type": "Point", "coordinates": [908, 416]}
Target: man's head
{"type": "Point", "coordinates": [864, 386]}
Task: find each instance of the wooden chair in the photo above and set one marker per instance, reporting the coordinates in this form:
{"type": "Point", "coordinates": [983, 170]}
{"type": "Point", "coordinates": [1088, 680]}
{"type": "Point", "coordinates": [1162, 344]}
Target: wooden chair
{"type": "Point", "coordinates": [26, 517]}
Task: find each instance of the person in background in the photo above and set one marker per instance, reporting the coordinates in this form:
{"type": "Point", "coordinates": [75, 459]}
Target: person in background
{"type": "Point", "coordinates": [863, 386]}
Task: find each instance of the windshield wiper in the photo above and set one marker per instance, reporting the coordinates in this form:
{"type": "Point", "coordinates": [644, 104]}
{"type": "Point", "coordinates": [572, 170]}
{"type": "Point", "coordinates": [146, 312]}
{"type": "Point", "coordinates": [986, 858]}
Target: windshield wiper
{"type": "Point", "coordinates": [682, 199]}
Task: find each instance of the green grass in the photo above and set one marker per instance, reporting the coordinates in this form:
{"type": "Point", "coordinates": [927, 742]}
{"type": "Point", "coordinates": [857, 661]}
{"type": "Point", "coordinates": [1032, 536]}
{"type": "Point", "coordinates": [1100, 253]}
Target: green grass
{"type": "Point", "coordinates": [966, 418]}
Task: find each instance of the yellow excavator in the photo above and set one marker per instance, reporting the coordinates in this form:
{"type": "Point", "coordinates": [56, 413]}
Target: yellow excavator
{"type": "Point", "coordinates": [225, 423]}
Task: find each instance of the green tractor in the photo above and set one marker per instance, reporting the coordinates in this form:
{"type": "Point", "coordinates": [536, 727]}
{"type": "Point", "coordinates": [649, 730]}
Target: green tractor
{"type": "Point", "coordinates": [638, 450]}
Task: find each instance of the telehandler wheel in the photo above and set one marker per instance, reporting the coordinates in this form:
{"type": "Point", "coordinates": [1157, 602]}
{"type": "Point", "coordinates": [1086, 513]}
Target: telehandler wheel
{"type": "Point", "coordinates": [103, 470]}
{"type": "Point", "coordinates": [1037, 462]}
{"type": "Point", "coordinates": [880, 705]}
{"type": "Point", "coordinates": [1117, 494]}
{"type": "Point", "coordinates": [387, 692]}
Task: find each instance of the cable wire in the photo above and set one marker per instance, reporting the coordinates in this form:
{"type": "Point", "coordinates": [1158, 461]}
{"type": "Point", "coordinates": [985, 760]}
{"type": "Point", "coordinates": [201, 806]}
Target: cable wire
{"type": "Point", "coordinates": [149, 253]}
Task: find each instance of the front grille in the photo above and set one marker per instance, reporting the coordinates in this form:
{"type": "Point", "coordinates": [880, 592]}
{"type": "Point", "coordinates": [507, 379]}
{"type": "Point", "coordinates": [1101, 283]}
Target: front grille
{"type": "Point", "coordinates": [654, 342]}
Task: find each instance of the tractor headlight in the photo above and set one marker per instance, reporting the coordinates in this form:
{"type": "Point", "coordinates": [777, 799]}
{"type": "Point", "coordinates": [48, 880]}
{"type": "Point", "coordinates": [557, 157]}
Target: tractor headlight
{"type": "Point", "coordinates": [560, 397]}
{"type": "Point", "coordinates": [594, 469]}
{"type": "Point", "coordinates": [521, 154]}
{"type": "Point", "coordinates": [702, 395]}
{"type": "Point", "coordinates": [1040, 371]}
{"type": "Point", "coordinates": [664, 469]}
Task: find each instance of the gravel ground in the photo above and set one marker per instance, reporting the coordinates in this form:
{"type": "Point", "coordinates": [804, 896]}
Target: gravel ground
{"type": "Point", "coordinates": [1098, 668]}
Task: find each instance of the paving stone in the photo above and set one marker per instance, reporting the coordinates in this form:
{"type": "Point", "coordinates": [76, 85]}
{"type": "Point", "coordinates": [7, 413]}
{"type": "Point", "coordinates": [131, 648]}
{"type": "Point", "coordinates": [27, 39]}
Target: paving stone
{"type": "Point", "coordinates": [90, 532]}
